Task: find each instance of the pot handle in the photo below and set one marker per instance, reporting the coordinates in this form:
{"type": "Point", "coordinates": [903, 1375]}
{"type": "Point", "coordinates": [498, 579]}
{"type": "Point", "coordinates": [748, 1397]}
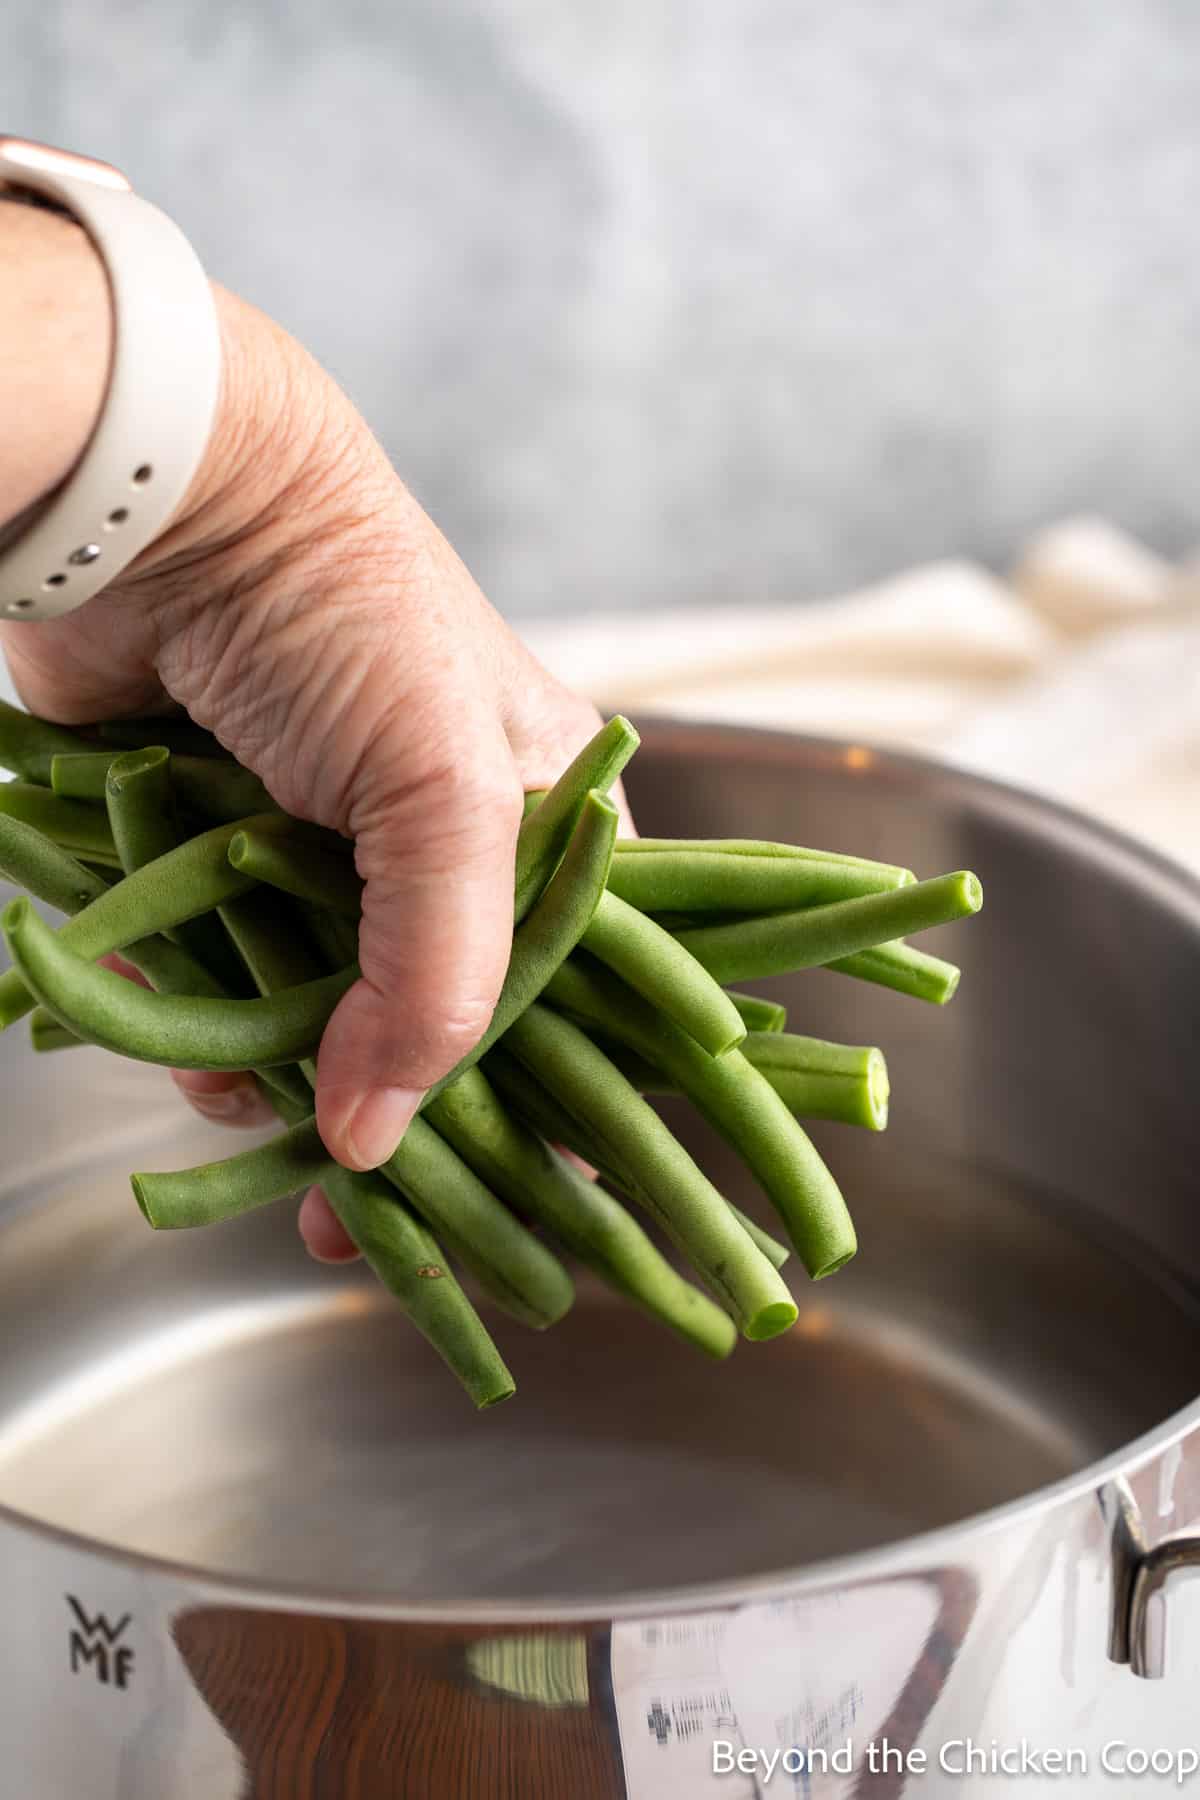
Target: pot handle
{"type": "Point", "coordinates": [1169, 1562]}
{"type": "Point", "coordinates": [1141, 1580]}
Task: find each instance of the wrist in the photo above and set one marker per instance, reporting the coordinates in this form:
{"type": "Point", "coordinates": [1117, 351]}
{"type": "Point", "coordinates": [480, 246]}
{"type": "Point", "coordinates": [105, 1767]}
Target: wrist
{"type": "Point", "coordinates": [272, 444]}
{"type": "Point", "coordinates": [55, 348]}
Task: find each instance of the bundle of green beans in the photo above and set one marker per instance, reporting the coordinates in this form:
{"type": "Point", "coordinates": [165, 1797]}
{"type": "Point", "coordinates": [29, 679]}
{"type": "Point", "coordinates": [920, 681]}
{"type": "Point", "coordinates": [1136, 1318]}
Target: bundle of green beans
{"type": "Point", "coordinates": [244, 921]}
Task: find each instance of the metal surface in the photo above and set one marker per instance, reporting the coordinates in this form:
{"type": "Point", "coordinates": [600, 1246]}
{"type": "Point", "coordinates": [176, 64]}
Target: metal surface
{"type": "Point", "coordinates": [255, 1539]}
{"type": "Point", "coordinates": [1176, 1560]}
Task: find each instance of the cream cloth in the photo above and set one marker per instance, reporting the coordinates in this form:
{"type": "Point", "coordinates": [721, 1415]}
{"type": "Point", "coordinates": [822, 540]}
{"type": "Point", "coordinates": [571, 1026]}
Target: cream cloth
{"type": "Point", "coordinates": [1079, 676]}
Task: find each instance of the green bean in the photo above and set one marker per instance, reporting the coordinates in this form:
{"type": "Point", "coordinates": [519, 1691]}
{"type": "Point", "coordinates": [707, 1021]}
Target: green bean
{"type": "Point", "coordinates": [168, 968]}
{"type": "Point", "coordinates": [779, 943]}
{"type": "Point", "coordinates": [294, 1112]}
{"type": "Point", "coordinates": [675, 922]}
{"type": "Point", "coordinates": [696, 881]}
{"type": "Point", "coordinates": [31, 860]}
{"type": "Point", "coordinates": [543, 1113]}
{"type": "Point", "coordinates": [543, 837]}
{"type": "Point", "coordinates": [551, 1121]}
{"type": "Point", "coordinates": [669, 1183]}
{"type": "Point", "coordinates": [182, 736]}
{"type": "Point", "coordinates": [48, 873]}
{"type": "Point", "coordinates": [412, 1267]}
{"type": "Point", "coordinates": [646, 1077]}
{"type": "Point", "coordinates": [907, 971]}
{"type": "Point", "coordinates": [71, 824]}
{"type": "Point", "coordinates": [273, 952]}
{"type": "Point", "coordinates": [334, 936]}
{"type": "Point", "coordinates": [268, 937]}
{"type": "Point", "coordinates": [285, 1081]}
{"type": "Point", "coordinates": [408, 1261]}
{"type": "Point", "coordinates": [46, 1034]}
{"type": "Point", "coordinates": [180, 1031]}
{"type": "Point", "coordinates": [410, 1264]}
{"type": "Point", "coordinates": [212, 1191]}
{"type": "Point", "coordinates": [186, 882]}
{"type": "Point", "coordinates": [539, 1109]}
{"type": "Point", "coordinates": [525, 1278]}
{"type": "Point", "coordinates": [819, 1080]}
{"type": "Point", "coordinates": [737, 1100]}
{"type": "Point", "coordinates": [553, 927]}
{"type": "Point", "coordinates": [220, 791]}
{"type": "Point", "coordinates": [893, 873]}
{"type": "Point", "coordinates": [518, 1271]}
{"type": "Point", "coordinates": [287, 859]}
{"type": "Point", "coordinates": [814, 1079]}
{"type": "Point", "coordinates": [27, 745]}
{"type": "Point", "coordinates": [759, 1014]}
{"type": "Point", "coordinates": [597, 1229]}
{"type": "Point", "coordinates": [775, 1252]}
{"type": "Point", "coordinates": [137, 797]}
{"type": "Point", "coordinates": [651, 961]}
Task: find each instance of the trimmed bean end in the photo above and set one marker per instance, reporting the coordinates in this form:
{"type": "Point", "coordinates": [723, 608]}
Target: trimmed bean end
{"type": "Point", "coordinates": [771, 1320]}
{"type": "Point", "coordinates": [132, 763]}
{"type": "Point", "coordinates": [879, 1090]}
{"type": "Point", "coordinates": [949, 988]}
{"type": "Point", "coordinates": [971, 889]}
{"type": "Point", "coordinates": [143, 1200]}
{"type": "Point", "coordinates": [839, 1262]}
{"type": "Point", "coordinates": [494, 1397]}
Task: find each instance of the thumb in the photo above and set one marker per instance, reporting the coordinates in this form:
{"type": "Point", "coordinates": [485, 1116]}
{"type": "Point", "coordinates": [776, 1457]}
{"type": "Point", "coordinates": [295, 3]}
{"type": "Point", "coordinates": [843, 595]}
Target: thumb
{"type": "Point", "coordinates": [435, 844]}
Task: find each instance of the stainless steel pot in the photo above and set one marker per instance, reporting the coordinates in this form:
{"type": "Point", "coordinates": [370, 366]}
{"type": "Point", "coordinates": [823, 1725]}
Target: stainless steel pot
{"type": "Point", "coordinates": [255, 1544]}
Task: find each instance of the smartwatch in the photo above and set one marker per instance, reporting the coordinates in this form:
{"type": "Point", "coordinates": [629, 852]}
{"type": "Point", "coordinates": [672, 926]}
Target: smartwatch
{"type": "Point", "coordinates": [157, 413]}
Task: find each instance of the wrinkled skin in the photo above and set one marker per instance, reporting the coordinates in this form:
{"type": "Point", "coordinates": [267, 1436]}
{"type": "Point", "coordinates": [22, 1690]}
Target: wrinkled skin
{"type": "Point", "coordinates": [304, 608]}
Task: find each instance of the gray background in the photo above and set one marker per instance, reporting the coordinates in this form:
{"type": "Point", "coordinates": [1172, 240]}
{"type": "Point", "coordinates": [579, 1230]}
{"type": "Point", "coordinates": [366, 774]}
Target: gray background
{"type": "Point", "coordinates": [660, 300]}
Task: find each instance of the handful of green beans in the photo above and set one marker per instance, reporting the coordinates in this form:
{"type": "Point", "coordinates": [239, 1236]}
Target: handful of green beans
{"type": "Point", "coordinates": [156, 843]}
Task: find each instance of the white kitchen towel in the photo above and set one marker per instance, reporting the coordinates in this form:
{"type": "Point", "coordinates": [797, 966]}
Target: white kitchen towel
{"type": "Point", "coordinates": [1079, 676]}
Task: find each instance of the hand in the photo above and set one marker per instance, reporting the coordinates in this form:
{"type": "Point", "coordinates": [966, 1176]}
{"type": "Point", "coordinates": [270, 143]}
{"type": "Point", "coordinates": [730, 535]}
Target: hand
{"type": "Point", "coordinates": [304, 608]}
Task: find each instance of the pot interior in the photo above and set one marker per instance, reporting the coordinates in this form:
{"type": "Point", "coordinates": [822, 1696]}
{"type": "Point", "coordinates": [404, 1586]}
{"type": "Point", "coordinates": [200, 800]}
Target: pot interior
{"type": "Point", "coordinates": [1020, 1306]}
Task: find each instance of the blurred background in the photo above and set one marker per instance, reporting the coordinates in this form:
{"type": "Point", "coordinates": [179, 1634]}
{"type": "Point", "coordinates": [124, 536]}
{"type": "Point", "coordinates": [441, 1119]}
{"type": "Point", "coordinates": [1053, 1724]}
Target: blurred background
{"type": "Point", "coordinates": [662, 307]}
{"type": "Point", "coordinates": [672, 300]}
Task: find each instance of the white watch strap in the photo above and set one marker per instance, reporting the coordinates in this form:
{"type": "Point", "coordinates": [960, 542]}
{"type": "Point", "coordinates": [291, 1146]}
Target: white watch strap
{"type": "Point", "coordinates": [162, 390]}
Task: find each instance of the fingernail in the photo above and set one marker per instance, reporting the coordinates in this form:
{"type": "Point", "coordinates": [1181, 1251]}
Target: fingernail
{"type": "Point", "coordinates": [378, 1122]}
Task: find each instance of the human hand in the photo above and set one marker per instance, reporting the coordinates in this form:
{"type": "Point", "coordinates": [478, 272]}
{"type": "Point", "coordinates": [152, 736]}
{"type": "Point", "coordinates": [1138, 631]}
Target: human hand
{"type": "Point", "coordinates": [303, 607]}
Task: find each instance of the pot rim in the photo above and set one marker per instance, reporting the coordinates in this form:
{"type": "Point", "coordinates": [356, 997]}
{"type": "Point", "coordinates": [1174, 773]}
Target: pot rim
{"type": "Point", "coordinates": [1173, 885]}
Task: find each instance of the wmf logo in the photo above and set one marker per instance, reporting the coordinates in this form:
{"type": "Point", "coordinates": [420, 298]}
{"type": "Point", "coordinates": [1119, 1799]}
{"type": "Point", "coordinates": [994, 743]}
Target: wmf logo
{"type": "Point", "coordinates": [96, 1644]}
